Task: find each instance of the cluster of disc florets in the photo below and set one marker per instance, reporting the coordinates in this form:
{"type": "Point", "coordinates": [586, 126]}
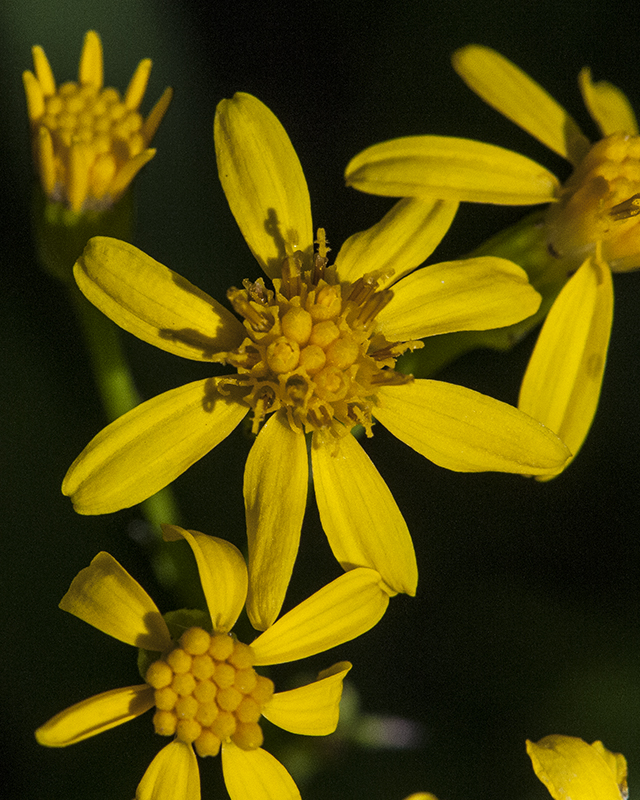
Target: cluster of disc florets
{"type": "Point", "coordinates": [207, 692]}
{"type": "Point", "coordinates": [312, 347]}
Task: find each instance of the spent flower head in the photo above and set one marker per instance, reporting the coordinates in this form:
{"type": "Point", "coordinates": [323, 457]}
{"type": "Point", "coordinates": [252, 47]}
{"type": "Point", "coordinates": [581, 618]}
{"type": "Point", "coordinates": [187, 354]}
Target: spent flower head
{"type": "Point", "coordinates": [203, 683]}
{"type": "Point", "coordinates": [88, 141]}
{"type": "Point", "coordinates": [590, 228]}
{"type": "Point", "coordinates": [314, 354]}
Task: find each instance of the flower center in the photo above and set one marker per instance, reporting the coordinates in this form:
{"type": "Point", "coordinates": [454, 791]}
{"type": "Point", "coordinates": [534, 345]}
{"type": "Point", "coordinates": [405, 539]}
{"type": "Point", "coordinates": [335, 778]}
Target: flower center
{"type": "Point", "coordinates": [600, 202]}
{"type": "Point", "coordinates": [312, 346]}
{"type": "Point", "coordinates": [104, 133]}
{"type": "Point", "coordinates": [207, 692]}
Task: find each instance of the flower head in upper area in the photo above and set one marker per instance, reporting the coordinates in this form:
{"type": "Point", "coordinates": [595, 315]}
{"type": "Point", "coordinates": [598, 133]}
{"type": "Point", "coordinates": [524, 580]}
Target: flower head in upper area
{"type": "Point", "coordinates": [88, 142]}
{"type": "Point", "coordinates": [204, 687]}
{"type": "Point", "coordinates": [591, 227]}
{"type": "Point", "coordinates": [315, 354]}
{"type": "Point", "coordinates": [571, 769]}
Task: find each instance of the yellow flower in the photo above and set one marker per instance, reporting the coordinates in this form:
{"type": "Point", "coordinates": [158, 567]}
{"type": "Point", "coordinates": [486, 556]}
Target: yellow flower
{"type": "Point", "coordinates": [590, 228]}
{"type": "Point", "coordinates": [88, 142]}
{"type": "Point", "coordinates": [571, 769]}
{"type": "Point", "coordinates": [204, 687]}
{"type": "Point", "coordinates": [317, 353]}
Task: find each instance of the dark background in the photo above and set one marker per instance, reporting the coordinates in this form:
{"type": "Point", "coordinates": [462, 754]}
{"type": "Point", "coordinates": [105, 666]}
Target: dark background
{"type": "Point", "coordinates": [526, 619]}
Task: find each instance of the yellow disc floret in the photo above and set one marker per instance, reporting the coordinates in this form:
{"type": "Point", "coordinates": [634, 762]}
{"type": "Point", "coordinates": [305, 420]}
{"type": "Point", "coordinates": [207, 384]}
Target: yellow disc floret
{"type": "Point", "coordinates": [312, 346]}
{"type": "Point", "coordinates": [207, 692]}
{"type": "Point", "coordinates": [88, 141]}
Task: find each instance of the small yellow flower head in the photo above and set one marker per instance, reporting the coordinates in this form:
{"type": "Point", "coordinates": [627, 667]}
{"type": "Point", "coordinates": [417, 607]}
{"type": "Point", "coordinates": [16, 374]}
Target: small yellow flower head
{"type": "Point", "coordinates": [207, 692]}
{"type": "Point", "coordinates": [310, 348]}
{"type": "Point", "coordinates": [88, 141]}
{"type": "Point", "coordinates": [571, 769]}
{"type": "Point", "coordinates": [600, 203]}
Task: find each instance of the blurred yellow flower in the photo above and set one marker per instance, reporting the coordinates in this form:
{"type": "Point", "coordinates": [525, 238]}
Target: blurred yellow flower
{"type": "Point", "coordinates": [88, 142]}
{"type": "Point", "coordinates": [591, 226]}
{"type": "Point", "coordinates": [204, 687]}
{"type": "Point", "coordinates": [571, 769]}
{"type": "Point", "coordinates": [317, 352]}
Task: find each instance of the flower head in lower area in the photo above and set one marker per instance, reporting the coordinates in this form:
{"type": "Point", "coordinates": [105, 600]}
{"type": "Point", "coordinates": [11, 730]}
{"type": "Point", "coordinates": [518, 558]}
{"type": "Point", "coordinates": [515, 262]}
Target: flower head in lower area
{"type": "Point", "coordinates": [204, 687]}
{"type": "Point", "coordinates": [591, 227]}
{"type": "Point", "coordinates": [571, 769]}
{"type": "Point", "coordinates": [314, 354]}
{"type": "Point", "coordinates": [88, 141]}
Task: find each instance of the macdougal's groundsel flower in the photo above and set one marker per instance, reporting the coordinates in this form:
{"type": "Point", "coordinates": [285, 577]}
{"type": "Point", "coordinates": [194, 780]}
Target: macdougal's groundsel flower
{"type": "Point", "coordinates": [203, 685]}
{"type": "Point", "coordinates": [89, 142]}
{"type": "Point", "coordinates": [591, 228]}
{"type": "Point", "coordinates": [571, 769]}
{"type": "Point", "coordinates": [314, 354]}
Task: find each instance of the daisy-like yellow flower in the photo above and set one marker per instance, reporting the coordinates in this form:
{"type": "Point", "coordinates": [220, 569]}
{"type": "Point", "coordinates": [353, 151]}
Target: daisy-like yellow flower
{"type": "Point", "coordinates": [89, 142]}
{"type": "Point", "coordinates": [316, 352]}
{"type": "Point", "coordinates": [571, 769]}
{"type": "Point", "coordinates": [590, 228]}
{"type": "Point", "coordinates": [204, 687]}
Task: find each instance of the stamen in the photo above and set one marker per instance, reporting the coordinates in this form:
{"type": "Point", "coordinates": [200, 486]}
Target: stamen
{"type": "Point", "coordinates": [627, 209]}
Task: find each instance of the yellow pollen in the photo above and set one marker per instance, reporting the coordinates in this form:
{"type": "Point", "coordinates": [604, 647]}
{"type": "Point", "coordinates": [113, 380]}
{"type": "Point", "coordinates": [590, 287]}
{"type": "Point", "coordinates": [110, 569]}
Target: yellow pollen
{"type": "Point", "coordinates": [308, 348]}
{"type": "Point", "coordinates": [207, 692]}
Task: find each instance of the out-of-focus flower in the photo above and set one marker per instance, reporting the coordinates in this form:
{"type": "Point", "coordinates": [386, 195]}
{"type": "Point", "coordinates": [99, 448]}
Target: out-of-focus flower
{"type": "Point", "coordinates": [317, 354]}
{"type": "Point", "coordinates": [591, 227]}
{"type": "Point", "coordinates": [203, 684]}
{"type": "Point", "coordinates": [571, 769]}
{"type": "Point", "coordinates": [88, 141]}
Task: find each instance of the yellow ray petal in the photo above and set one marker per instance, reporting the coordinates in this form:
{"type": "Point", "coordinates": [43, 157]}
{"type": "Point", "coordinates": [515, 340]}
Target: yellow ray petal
{"type": "Point", "coordinates": [475, 294]}
{"type": "Point", "coordinates": [255, 774]}
{"type": "Point", "coordinates": [617, 763]}
{"type": "Point", "coordinates": [275, 495]}
{"type": "Point", "coordinates": [172, 775]}
{"type": "Point", "coordinates": [404, 238]}
{"type": "Point", "coordinates": [263, 181]}
{"type": "Point", "coordinates": [222, 571]}
{"type": "Point", "coordinates": [35, 97]}
{"type": "Point", "coordinates": [466, 431]}
{"type": "Point", "coordinates": [362, 521]}
{"type": "Point", "coordinates": [147, 448]}
{"type": "Point", "coordinates": [572, 769]}
{"type": "Point", "coordinates": [43, 71]}
{"type": "Point", "coordinates": [342, 610]}
{"type": "Point", "coordinates": [561, 386]}
{"type": "Point", "coordinates": [311, 710]}
{"type": "Point", "coordinates": [95, 715]}
{"type": "Point", "coordinates": [152, 122]}
{"type": "Point", "coordinates": [519, 98]}
{"type": "Point", "coordinates": [452, 169]}
{"type": "Point", "coordinates": [91, 63]}
{"type": "Point", "coordinates": [138, 85]}
{"type": "Point", "coordinates": [154, 303]}
{"type": "Point", "coordinates": [609, 106]}
{"type": "Point", "coordinates": [107, 597]}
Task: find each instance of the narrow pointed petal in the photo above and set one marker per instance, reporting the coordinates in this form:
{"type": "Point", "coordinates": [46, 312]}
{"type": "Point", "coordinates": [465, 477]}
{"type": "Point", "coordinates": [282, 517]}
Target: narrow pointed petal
{"type": "Point", "coordinates": [311, 710]}
{"type": "Point", "coordinates": [518, 97]}
{"type": "Point", "coordinates": [561, 386]}
{"type": "Point", "coordinates": [571, 769]}
{"type": "Point", "coordinates": [466, 431]}
{"type": "Point", "coordinates": [222, 571]}
{"type": "Point", "coordinates": [475, 294]}
{"type": "Point", "coordinates": [150, 446]}
{"type": "Point", "coordinates": [172, 775]}
{"type": "Point", "coordinates": [34, 94]}
{"type": "Point", "coordinates": [95, 715]}
{"type": "Point", "coordinates": [91, 63]}
{"type": "Point", "coordinates": [362, 521]}
{"type": "Point", "coordinates": [255, 774]}
{"type": "Point", "coordinates": [342, 610]}
{"type": "Point", "coordinates": [452, 169]}
{"type": "Point", "coordinates": [609, 106]}
{"type": "Point", "coordinates": [43, 71]}
{"type": "Point", "coordinates": [276, 478]}
{"type": "Point", "coordinates": [263, 181]}
{"type": "Point", "coordinates": [138, 85]}
{"type": "Point", "coordinates": [154, 303]}
{"type": "Point", "coordinates": [107, 597]}
{"type": "Point", "coordinates": [404, 238]}
{"type": "Point", "coordinates": [152, 122]}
